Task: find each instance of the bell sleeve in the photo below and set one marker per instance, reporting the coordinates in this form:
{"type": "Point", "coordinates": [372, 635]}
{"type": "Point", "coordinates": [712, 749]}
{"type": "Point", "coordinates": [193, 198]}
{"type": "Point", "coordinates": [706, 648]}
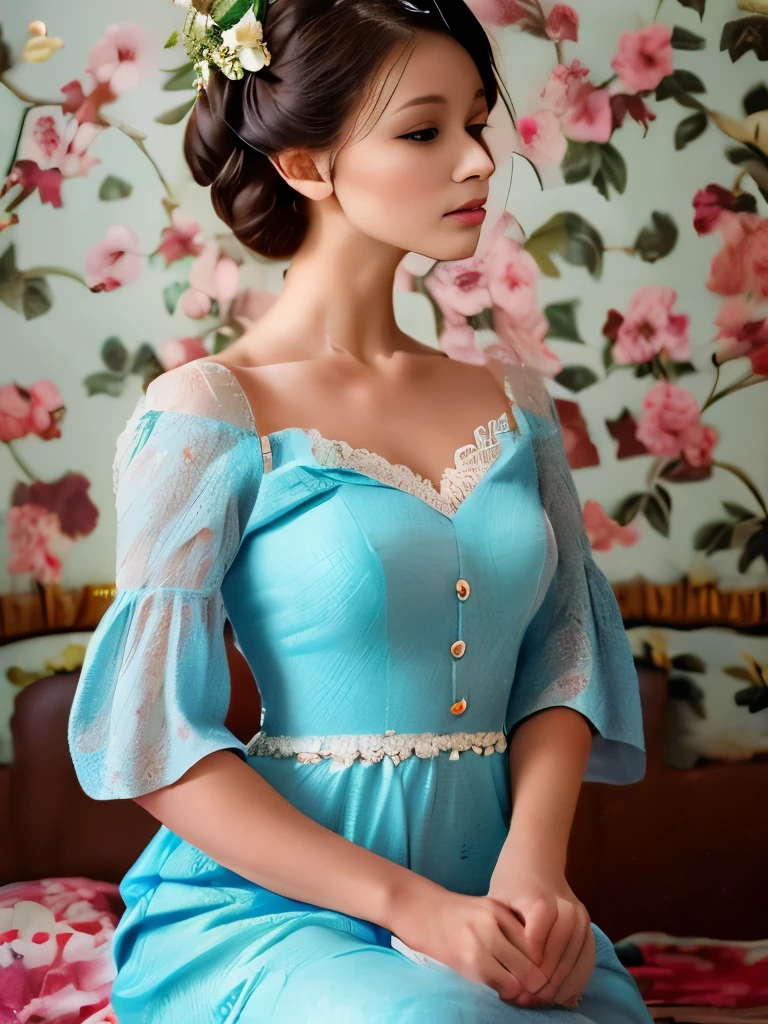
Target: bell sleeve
{"type": "Point", "coordinates": [154, 689]}
{"type": "Point", "coordinates": [574, 651]}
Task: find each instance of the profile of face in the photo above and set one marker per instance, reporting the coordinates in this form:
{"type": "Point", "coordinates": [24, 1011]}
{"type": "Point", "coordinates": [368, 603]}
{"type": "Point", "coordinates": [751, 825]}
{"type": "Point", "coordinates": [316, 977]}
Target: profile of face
{"type": "Point", "coordinates": [414, 151]}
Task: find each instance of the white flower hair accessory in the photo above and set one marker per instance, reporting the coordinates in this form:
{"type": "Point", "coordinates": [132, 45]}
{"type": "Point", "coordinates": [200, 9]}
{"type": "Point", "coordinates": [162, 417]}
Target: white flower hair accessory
{"type": "Point", "coordinates": [227, 34]}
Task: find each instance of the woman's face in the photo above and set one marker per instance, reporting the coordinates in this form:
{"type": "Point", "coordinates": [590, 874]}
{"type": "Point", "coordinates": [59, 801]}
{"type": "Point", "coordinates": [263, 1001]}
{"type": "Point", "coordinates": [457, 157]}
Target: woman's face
{"type": "Point", "coordinates": [397, 180]}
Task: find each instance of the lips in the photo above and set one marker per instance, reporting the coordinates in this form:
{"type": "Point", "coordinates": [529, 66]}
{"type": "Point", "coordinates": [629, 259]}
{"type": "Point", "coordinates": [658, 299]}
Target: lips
{"type": "Point", "coordinates": [471, 204]}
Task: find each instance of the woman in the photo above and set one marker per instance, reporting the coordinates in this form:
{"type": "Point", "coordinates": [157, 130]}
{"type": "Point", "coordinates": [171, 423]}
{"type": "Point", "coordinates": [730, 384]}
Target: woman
{"type": "Point", "coordinates": [434, 646]}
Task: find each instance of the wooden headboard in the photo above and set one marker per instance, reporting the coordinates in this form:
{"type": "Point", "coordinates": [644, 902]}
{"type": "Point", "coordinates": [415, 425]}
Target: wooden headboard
{"type": "Point", "coordinates": [679, 851]}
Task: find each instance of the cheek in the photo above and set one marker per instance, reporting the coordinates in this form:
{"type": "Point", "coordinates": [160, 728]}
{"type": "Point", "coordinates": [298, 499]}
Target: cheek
{"type": "Point", "coordinates": [394, 182]}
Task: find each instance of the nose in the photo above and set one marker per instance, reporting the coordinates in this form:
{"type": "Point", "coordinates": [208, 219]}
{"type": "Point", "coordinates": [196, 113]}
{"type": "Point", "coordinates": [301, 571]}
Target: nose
{"type": "Point", "coordinates": [476, 161]}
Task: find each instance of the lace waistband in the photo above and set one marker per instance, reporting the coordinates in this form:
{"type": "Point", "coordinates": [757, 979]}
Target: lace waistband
{"type": "Point", "coordinates": [370, 748]}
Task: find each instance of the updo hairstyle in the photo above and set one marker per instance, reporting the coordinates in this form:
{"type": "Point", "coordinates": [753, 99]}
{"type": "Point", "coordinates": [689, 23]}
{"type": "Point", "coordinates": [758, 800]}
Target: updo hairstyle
{"type": "Point", "coordinates": [325, 54]}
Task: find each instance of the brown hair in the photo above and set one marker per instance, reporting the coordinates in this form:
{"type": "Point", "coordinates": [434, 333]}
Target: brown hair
{"type": "Point", "coordinates": [324, 55]}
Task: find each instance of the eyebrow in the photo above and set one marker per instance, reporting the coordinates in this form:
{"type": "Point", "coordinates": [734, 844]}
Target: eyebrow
{"type": "Point", "coordinates": [433, 98]}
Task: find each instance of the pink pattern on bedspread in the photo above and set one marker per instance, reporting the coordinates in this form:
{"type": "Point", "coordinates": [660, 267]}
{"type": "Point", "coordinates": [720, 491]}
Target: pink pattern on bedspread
{"type": "Point", "coordinates": [56, 961]}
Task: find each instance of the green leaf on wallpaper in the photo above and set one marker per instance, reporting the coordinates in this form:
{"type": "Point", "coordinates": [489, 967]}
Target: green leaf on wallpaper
{"type": "Point", "coordinates": [115, 356]}
{"type": "Point", "coordinates": [714, 536]}
{"type": "Point", "coordinates": [688, 663]}
{"type": "Point", "coordinates": [756, 99]}
{"type": "Point", "coordinates": [628, 509]}
{"type": "Point", "coordinates": [756, 547]}
{"type": "Point", "coordinates": [576, 378]}
{"type": "Point", "coordinates": [737, 672]}
{"type": "Point", "coordinates": [657, 515]}
{"type": "Point", "coordinates": [37, 298]}
{"type": "Point", "coordinates": [696, 5]}
{"type": "Point", "coordinates": [482, 321]}
{"type": "Point", "coordinates": [172, 293]}
{"type": "Point", "coordinates": [608, 361]}
{"type": "Point", "coordinates": [744, 34]}
{"type": "Point", "coordinates": [690, 128]}
{"type": "Point", "coordinates": [656, 240]}
{"type": "Point", "coordinates": [754, 163]}
{"type": "Point", "coordinates": [613, 171]}
{"type": "Point", "coordinates": [680, 85]}
{"type": "Point", "coordinates": [181, 78]}
{"type": "Point", "coordinates": [562, 321]}
{"type": "Point", "coordinates": [574, 238]}
{"type": "Point", "coordinates": [5, 54]}
{"type": "Point", "coordinates": [681, 369]}
{"type": "Point", "coordinates": [665, 497]}
{"type": "Point", "coordinates": [581, 162]}
{"type": "Point", "coordinates": [682, 39]}
{"type": "Point", "coordinates": [114, 188]}
{"type": "Point", "coordinates": [143, 357]}
{"type": "Point", "coordinates": [177, 114]}
{"type": "Point", "coordinates": [172, 40]}
{"type": "Point", "coordinates": [738, 512]}
{"type": "Point", "coordinates": [104, 384]}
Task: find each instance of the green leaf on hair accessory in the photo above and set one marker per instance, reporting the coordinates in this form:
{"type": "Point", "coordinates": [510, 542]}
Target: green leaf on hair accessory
{"type": "Point", "coordinates": [227, 13]}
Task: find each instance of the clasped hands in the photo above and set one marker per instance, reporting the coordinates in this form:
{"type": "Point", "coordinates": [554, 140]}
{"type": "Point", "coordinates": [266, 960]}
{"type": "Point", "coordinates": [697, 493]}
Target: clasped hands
{"type": "Point", "coordinates": [558, 937]}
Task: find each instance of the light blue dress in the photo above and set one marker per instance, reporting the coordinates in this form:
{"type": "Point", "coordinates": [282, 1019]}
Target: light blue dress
{"type": "Point", "coordinates": [398, 633]}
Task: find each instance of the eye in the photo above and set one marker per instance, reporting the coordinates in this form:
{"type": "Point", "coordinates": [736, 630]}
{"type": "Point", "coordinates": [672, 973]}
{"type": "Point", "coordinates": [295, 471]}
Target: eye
{"type": "Point", "coordinates": [421, 131]}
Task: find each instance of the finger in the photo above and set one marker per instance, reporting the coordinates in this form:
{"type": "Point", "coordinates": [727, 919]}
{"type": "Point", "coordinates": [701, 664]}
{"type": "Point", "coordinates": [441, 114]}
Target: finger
{"type": "Point", "coordinates": [560, 954]}
{"type": "Point", "coordinates": [540, 918]}
{"type": "Point", "coordinates": [571, 954]}
{"type": "Point", "coordinates": [577, 981]}
{"type": "Point", "coordinates": [528, 975]}
{"type": "Point", "coordinates": [510, 947]}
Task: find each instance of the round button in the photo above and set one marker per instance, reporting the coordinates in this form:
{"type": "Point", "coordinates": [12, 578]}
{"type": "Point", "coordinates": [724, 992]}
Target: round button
{"type": "Point", "coordinates": [462, 589]}
{"type": "Point", "coordinates": [457, 648]}
{"type": "Point", "coordinates": [459, 707]}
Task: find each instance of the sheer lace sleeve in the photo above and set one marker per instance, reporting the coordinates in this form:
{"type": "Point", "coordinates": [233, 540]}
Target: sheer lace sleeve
{"type": "Point", "coordinates": [575, 652]}
{"type": "Point", "coordinates": [154, 688]}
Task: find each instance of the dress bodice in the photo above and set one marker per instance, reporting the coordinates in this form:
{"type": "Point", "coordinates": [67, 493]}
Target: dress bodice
{"type": "Point", "coordinates": [383, 616]}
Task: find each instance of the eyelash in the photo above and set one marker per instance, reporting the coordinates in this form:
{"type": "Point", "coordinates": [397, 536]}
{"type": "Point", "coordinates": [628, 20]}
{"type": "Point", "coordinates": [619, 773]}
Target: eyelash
{"type": "Point", "coordinates": [421, 130]}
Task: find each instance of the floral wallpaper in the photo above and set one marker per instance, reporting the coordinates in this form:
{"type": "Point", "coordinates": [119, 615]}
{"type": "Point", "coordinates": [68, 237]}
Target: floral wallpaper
{"type": "Point", "coordinates": [626, 260]}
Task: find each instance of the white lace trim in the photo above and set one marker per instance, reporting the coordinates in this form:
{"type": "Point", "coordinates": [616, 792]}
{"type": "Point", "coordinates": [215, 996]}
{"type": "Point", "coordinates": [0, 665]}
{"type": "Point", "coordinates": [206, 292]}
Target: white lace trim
{"type": "Point", "coordinates": [370, 748]}
{"type": "Point", "coordinates": [456, 483]}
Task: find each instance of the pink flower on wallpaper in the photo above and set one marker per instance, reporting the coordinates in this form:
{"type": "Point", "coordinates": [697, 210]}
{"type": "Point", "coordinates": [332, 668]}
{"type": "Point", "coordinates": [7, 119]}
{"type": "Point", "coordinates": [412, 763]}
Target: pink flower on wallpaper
{"type": "Point", "coordinates": [605, 533]}
{"type": "Point", "coordinates": [114, 262]}
{"type": "Point", "coordinates": [741, 266]}
{"type": "Point", "coordinates": [563, 23]}
{"type": "Point", "coordinates": [589, 117]}
{"type": "Point", "coordinates": [66, 497]}
{"type": "Point", "coordinates": [121, 58]}
{"type": "Point", "coordinates": [644, 57]}
{"type": "Point", "coordinates": [744, 331]}
{"type": "Point", "coordinates": [541, 140]}
{"type": "Point", "coordinates": [560, 85]}
{"type": "Point", "coordinates": [182, 238]}
{"type": "Point", "coordinates": [499, 12]}
{"type": "Point", "coordinates": [27, 176]}
{"type": "Point", "coordinates": [83, 106]}
{"type": "Point", "coordinates": [61, 143]}
{"type": "Point", "coordinates": [178, 351]}
{"type": "Point", "coordinates": [650, 328]}
{"type": "Point", "coordinates": [36, 542]}
{"type": "Point", "coordinates": [214, 275]}
{"type": "Point", "coordinates": [583, 110]}
{"type": "Point", "coordinates": [670, 425]}
{"type": "Point", "coordinates": [503, 278]}
{"type": "Point", "coordinates": [33, 411]}
{"type": "Point", "coordinates": [709, 204]}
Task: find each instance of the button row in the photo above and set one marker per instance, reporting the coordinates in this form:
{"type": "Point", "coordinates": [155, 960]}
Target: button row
{"type": "Point", "coordinates": [458, 647]}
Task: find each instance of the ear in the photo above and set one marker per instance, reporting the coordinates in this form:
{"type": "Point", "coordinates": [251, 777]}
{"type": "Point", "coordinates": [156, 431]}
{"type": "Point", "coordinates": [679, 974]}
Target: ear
{"type": "Point", "coordinates": [304, 172]}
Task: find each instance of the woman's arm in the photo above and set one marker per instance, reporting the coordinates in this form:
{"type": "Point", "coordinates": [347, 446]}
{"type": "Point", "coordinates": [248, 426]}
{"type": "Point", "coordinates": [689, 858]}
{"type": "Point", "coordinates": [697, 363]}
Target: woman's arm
{"type": "Point", "coordinates": [548, 753]}
{"type": "Point", "coordinates": [226, 809]}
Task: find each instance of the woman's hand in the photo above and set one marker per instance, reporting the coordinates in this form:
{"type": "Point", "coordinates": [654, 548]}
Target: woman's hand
{"type": "Point", "coordinates": [475, 935]}
{"type": "Point", "coordinates": [557, 930]}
